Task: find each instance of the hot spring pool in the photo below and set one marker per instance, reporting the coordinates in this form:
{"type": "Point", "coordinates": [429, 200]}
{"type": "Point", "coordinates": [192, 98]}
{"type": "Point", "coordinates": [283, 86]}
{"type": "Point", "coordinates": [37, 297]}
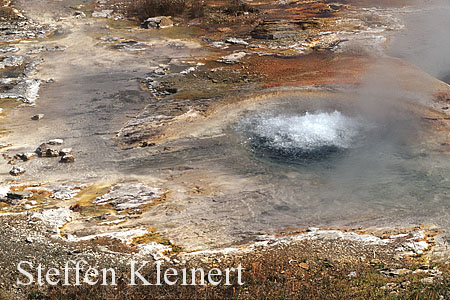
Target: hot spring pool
{"type": "Point", "coordinates": [296, 162]}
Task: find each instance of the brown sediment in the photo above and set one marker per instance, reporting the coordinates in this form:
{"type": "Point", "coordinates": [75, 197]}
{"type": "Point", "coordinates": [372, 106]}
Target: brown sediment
{"type": "Point", "coordinates": [310, 69]}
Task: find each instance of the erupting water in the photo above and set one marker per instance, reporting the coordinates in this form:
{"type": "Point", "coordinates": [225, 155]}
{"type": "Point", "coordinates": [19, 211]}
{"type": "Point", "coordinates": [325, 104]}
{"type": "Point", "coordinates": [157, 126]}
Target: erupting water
{"type": "Point", "coordinates": [310, 136]}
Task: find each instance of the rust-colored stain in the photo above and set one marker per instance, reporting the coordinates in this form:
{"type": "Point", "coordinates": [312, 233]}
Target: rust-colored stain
{"type": "Point", "coordinates": [309, 69]}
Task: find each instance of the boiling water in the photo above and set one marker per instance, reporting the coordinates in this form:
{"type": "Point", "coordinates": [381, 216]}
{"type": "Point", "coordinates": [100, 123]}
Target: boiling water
{"type": "Point", "coordinates": [309, 136]}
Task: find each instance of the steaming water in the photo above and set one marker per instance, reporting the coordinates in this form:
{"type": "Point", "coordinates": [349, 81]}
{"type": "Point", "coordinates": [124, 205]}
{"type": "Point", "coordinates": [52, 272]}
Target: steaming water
{"type": "Point", "coordinates": [310, 136]}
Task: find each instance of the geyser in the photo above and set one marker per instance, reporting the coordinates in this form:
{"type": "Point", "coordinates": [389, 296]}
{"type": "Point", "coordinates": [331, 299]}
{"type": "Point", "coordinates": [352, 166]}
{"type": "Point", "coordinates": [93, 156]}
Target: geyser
{"type": "Point", "coordinates": [308, 136]}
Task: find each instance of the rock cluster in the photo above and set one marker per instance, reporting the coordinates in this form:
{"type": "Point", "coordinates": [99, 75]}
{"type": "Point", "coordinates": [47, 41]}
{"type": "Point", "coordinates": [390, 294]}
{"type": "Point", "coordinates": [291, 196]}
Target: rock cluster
{"type": "Point", "coordinates": [11, 61]}
{"type": "Point", "coordinates": [48, 150]}
{"type": "Point", "coordinates": [9, 48]}
{"type": "Point", "coordinates": [22, 29]}
{"type": "Point", "coordinates": [16, 88]}
{"type": "Point", "coordinates": [47, 49]}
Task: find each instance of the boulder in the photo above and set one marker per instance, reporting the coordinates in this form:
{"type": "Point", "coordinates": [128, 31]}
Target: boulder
{"type": "Point", "coordinates": [158, 22]}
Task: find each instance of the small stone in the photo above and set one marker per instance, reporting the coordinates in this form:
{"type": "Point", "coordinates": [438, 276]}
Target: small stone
{"type": "Point", "coordinates": [233, 58]}
{"type": "Point", "coordinates": [19, 195]}
{"type": "Point", "coordinates": [16, 171]}
{"type": "Point", "coordinates": [79, 14]}
{"type": "Point", "coordinates": [68, 158]}
{"type": "Point", "coordinates": [237, 41]}
{"type": "Point", "coordinates": [65, 151]}
{"type": "Point", "coordinates": [56, 142]}
{"type": "Point", "coordinates": [159, 71]}
{"type": "Point", "coordinates": [304, 266]}
{"type": "Point", "coordinates": [396, 272]}
{"type": "Point", "coordinates": [29, 240]}
{"type": "Point", "coordinates": [427, 280]}
{"type": "Point", "coordinates": [25, 156]}
{"type": "Point", "coordinates": [37, 117]}
{"type": "Point", "coordinates": [352, 274]}
{"type": "Point", "coordinates": [390, 286]}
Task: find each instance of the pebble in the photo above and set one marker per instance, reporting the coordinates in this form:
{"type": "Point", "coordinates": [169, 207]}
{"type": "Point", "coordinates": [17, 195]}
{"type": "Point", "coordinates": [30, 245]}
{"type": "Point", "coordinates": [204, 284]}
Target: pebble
{"type": "Point", "coordinates": [25, 156]}
{"type": "Point", "coordinates": [68, 158]}
{"type": "Point", "coordinates": [352, 274]}
{"type": "Point", "coordinates": [55, 142]}
{"type": "Point", "coordinates": [16, 171]}
{"type": "Point", "coordinates": [427, 280]}
{"type": "Point", "coordinates": [37, 117]}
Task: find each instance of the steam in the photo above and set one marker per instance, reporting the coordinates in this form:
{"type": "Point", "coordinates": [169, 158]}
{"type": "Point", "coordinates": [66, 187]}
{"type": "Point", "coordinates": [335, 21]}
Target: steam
{"type": "Point", "coordinates": [426, 41]}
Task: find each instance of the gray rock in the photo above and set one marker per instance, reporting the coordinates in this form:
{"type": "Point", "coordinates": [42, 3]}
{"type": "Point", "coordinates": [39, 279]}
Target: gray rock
{"type": "Point", "coordinates": [16, 171]}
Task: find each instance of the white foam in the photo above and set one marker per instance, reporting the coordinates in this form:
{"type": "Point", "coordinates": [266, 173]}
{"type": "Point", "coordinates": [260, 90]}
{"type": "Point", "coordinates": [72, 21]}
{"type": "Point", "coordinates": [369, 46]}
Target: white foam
{"type": "Point", "coordinates": [308, 132]}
